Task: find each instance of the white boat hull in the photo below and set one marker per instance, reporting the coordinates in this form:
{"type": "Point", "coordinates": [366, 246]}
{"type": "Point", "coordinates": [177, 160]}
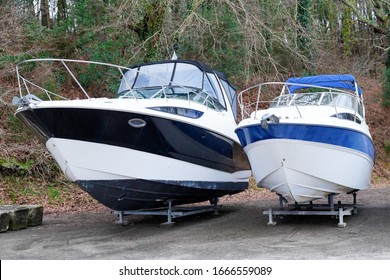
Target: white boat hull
{"type": "Point", "coordinates": [94, 161]}
{"type": "Point", "coordinates": [129, 168]}
{"type": "Point", "coordinates": [312, 140]}
{"type": "Point", "coordinates": [121, 178]}
{"type": "Point", "coordinates": [302, 171]}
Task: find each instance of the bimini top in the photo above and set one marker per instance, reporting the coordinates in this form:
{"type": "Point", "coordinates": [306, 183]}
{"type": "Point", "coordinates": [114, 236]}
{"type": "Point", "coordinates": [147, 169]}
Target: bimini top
{"type": "Point", "coordinates": [346, 81]}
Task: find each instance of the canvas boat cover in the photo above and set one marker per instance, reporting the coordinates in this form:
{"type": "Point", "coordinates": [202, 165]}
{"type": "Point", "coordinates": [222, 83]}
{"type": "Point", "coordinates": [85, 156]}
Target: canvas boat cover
{"type": "Point", "coordinates": [345, 81]}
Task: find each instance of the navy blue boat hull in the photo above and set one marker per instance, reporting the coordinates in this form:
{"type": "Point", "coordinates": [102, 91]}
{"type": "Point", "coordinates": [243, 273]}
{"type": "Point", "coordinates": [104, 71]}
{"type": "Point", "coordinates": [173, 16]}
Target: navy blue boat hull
{"type": "Point", "coordinates": [122, 195]}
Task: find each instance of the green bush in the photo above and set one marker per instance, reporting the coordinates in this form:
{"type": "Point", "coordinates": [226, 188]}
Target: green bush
{"type": "Point", "coordinates": [387, 148]}
{"type": "Point", "coordinates": [13, 166]}
{"type": "Point", "coordinates": [54, 194]}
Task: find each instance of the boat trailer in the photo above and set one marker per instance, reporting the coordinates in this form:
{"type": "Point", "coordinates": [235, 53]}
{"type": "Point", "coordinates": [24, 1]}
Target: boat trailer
{"type": "Point", "coordinates": [338, 210]}
{"type": "Point", "coordinates": [171, 212]}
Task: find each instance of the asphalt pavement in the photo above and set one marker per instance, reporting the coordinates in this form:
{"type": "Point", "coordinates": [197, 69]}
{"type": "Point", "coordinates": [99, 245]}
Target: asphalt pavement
{"type": "Point", "coordinates": [239, 231]}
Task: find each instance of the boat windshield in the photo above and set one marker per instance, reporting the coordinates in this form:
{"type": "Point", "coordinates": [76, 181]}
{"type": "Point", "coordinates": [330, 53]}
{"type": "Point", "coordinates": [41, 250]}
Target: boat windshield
{"type": "Point", "coordinates": [307, 98]}
{"type": "Point", "coordinates": [343, 100]}
{"type": "Point", "coordinates": [282, 100]}
{"type": "Point", "coordinates": [175, 79]}
{"type": "Point", "coordinates": [348, 101]}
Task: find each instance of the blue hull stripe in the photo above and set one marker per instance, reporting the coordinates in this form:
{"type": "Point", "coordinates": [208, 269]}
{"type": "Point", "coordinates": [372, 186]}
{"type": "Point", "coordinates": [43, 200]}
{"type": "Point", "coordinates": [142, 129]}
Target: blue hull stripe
{"type": "Point", "coordinates": [315, 133]}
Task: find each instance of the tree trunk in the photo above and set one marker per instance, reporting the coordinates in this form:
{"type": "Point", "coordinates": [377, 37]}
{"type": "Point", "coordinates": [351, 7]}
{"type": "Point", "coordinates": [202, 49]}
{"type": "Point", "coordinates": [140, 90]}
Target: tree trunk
{"type": "Point", "coordinates": [346, 32]}
{"type": "Point", "coordinates": [386, 88]}
{"type": "Point", "coordinates": [61, 8]}
{"type": "Point", "coordinates": [45, 13]}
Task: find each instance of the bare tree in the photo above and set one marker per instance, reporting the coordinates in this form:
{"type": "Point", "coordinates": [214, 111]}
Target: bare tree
{"type": "Point", "coordinates": [380, 8]}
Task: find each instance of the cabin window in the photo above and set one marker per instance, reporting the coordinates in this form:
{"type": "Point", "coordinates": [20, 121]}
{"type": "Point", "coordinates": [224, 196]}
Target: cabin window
{"type": "Point", "coordinates": [347, 116]}
{"type": "Point", "coordinates": [189, 113]}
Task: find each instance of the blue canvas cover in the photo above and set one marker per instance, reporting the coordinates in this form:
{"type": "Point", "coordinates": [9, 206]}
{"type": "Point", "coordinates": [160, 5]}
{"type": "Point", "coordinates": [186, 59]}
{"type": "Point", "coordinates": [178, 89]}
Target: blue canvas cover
{"type": "Point", "coordinates": [345, 81]}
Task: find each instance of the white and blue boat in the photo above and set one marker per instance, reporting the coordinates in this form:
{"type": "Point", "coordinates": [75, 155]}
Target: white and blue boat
{"type": "Point", "coordinates": [309, 142]}
{"type": "Point", "coordinates": [165, 135]}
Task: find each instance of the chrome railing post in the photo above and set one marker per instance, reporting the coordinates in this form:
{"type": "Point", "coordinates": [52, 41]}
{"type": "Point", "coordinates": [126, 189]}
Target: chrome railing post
{"type": "Point", "coordinates": [75, 79]}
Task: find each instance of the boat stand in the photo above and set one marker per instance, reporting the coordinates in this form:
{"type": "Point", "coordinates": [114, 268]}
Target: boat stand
{"type": "Point", "coordinates": [171, 212]}
{"type": "Point", "coordinates": [338, 210]}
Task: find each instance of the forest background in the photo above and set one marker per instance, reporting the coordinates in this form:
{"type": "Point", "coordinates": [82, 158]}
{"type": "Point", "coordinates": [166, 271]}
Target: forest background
{"type": "Point", "coordinates": [251, 41]}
